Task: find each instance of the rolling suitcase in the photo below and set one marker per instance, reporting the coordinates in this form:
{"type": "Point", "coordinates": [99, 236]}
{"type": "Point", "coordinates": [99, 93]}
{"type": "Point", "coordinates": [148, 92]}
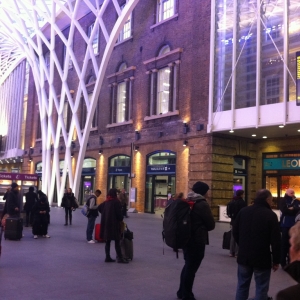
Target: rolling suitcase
{"type": "Point", "coordinates": [126, 244]}
{"type": "Point", "coordinates": [97, 233]}
{"type": "Point", "coordinates": [13, 228]}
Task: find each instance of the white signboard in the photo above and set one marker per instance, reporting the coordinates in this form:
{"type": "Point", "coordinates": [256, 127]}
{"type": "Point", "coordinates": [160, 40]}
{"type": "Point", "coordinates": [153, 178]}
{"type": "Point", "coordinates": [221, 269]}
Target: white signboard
{"type": "Point", "coordinates": [222, 214]}
{"type": "Point", "coordinates": [132, 196]}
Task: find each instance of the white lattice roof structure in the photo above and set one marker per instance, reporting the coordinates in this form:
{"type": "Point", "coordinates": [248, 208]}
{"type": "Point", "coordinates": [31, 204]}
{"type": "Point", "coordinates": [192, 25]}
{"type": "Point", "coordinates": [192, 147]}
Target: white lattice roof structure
{"type": "Point", "coordinates": [27, 27]}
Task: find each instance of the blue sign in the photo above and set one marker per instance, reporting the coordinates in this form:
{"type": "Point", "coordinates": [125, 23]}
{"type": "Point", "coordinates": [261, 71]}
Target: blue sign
{"type": "Point", "coordinates": [161, 169]}
{"type": "Point", "coordinates": [119, 170]}
{"type": "Point", "coordinates": [281, 163]}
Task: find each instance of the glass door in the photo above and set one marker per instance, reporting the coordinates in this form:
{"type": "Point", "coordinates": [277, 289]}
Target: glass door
{"type": "Point", "coordinates": [86, 188]}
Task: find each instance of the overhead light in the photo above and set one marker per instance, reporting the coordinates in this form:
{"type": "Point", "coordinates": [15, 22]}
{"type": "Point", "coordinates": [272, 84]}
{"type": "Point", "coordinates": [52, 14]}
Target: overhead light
{"type": "Point", "coordinates": [298, 130]}
{"type": "Point", "coordinates": [264, 137]}
{"type": "Point", "coordinates": [231, 131]}
{"type": "Point", "coordinates": [185, 143]}
{"type": "Point", "coordinates": [281, 126]}
{"type": "Point", "coordinates": [100, 151]}
{"type": "Point", "coordinates": [136, 148]}
{"type": "Point", "coordinates": [253, 134]}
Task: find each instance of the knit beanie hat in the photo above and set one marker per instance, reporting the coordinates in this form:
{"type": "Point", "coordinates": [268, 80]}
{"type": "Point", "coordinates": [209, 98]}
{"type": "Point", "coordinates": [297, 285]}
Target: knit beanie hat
{"type": "Point", "coordinates": [200, 188]}
{"type": "Point", "coordinates": [14, 185]}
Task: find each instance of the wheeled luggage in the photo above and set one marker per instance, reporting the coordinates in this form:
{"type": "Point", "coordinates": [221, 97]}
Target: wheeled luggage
{"type": "Point", "coordinates": [226, 240]}
{"type": "Point", "coordinates": [126, 244]}
{"type": "Point", "coordinates": [97, 233]}
{"type": "Point", "coordinates": [13, 228]}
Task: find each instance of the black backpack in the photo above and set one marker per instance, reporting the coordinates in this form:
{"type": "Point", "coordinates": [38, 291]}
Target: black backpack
{"type": "Point", "coordinates": [231, 209]}
{"type": "Point", "coordinates": [177, 224]}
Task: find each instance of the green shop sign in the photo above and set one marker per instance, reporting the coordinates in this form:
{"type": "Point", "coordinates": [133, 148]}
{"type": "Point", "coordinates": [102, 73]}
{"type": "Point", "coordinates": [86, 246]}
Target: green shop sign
{"type": "Point", "coordinates": [292, 163]}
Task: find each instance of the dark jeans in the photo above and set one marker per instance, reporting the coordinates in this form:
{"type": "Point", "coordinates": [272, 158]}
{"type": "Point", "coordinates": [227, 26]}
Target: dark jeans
{"type": "Point", "coordinates": [68, 212]}
{"type": "Point", "coordinates": [117, 248]}
{"type": "Point", "coordinates": [90, 228]}
{"type": "Point", "coordinates": [262, 281]}
{"type": "Point", "coordinates": [285, 246]}
{"type": "Point", "coordinates": [193, 255]}
{"type": "Point", "coordinates": [29, 217]}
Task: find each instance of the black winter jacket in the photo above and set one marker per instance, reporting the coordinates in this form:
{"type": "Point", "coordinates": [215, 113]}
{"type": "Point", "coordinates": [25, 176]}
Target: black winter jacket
{"type": "Point", "coordinates": [12, 202]}
{"type": "Point", "coordinates": [292, 292]}
{"type": "Point", "coordinates": [256, 228]}
{"type": "Point", "coordinates": [31, 199]}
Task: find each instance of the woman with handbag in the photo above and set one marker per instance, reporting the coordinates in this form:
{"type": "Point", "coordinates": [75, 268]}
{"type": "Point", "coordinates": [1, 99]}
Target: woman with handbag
{"type": "Point", "coordinates": [69, 203]}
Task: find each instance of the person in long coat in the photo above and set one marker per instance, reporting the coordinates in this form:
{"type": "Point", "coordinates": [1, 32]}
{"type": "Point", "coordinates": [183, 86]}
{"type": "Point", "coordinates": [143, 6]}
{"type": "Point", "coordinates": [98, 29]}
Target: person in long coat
{"type": "Point", "coordinates": [69, 203]}
{"type": "Point", "coordinates": [41, 216]}
{"type": "Point", "coordinates": [111, 220]}
{"type": "Point", "coordinates": [31, 198]}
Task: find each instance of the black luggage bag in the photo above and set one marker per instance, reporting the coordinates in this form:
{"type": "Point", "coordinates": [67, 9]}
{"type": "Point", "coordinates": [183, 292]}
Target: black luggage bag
{"type": "Point", "coordinates": [13, 228]}
{"type": "Point", "coordinates": [126, 244]}
{"type": "Point", "coordinates": [226, 240]}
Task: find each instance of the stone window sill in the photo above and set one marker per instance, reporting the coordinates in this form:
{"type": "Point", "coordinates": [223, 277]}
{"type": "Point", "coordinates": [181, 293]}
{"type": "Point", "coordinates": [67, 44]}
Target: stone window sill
{"type": "Point", "coordinates": [168, 114]}
{"type": "Point", "coordinates": [119, 124]}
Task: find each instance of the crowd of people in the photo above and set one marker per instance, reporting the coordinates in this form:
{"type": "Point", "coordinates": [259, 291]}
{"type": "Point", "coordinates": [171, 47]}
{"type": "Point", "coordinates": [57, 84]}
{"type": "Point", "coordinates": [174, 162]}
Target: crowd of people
{"type": "Point", "coordinates": [259, 242]}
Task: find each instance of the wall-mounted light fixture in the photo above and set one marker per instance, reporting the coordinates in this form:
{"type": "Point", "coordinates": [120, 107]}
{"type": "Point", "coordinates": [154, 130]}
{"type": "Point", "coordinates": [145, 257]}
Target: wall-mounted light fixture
{"type": "Point", "coordinates": [136, 148]}
{"type": "Point", "coordinates": [72, 154]}
{"type": "Point", "coordinates": [185, 127]}
{"type": "Point", "coordinates": [185, 143]}
{"type": "Point", "coordinates": [118, 139]}
{"type": "Point", "coordinates": [137, 135]}
{"type": "Point", "coordinates": [73, 144]}
{"type": "Point", "coordinates": [30, 158]}
{"type": "Point", "coordinates": [31, 150]}
{"type": "Point", "coordinates": [101, 140]}
{"type": "Point", "coordinates": [200, 127]}
{"type": "Point", "coordinates": [100, 151]}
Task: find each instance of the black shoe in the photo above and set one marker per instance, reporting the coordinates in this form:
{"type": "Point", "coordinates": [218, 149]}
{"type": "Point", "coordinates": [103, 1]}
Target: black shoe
{"type": "Point", "coordinates": [122, 261]}
{"type": "Point", "coordinates": [66, 224]}
{"type": "Point", "coordinates": [109, 259]}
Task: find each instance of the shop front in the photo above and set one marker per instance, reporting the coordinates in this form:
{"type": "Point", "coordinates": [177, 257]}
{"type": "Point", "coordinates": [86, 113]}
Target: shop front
{"type": "Point", "coordinates": [87, 182]}
{"type": "Point", "coordinates": [119, 172]}
{"type": "Point", "coordinates": [160, 180]}
{"type": "Point", "coordinates": [280, 172]}
{"type": "Point", "coordinates": [23, 180]}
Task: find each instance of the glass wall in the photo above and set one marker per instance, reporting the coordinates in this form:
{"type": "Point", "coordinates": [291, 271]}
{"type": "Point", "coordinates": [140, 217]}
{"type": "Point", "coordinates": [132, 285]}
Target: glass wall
{"type": "Point", "coordinates": [240, 26]}
{"type": "Point", "coordinates": [246, 49]}
{"type": "Point", "coordinates": [223, 55]}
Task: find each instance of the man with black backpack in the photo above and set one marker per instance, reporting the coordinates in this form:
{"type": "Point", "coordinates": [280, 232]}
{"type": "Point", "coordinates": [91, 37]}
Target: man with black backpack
{"type": "Point", "coordinates": [202, 221]}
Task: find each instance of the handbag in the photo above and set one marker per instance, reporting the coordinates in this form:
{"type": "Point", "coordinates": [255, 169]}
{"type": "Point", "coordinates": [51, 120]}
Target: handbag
{"type": "Point", "coordinates": [85, 210]}
{"type": "Point", "coordinates": [226, 240]}
{"type": "Point", "coordinates": [127, 234]}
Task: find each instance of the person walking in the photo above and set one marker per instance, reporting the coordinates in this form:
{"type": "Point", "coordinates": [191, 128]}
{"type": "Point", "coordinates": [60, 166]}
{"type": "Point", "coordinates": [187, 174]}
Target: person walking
{"type": "Point", "coordinates": [111, 221]}
{"type": "Point", "coordinates": [40, 212]}
{"type": "Point", "coordinates": [293, 269]}
{"type": "Point", "coordinates": [202, 221]}
{"type": "Point", "coordinates": [92, 215]}
{"type": "Point", "coordinates": [289, 207]}
{"type": "Point", "coordinates": [237, 203]}
{"type": "Point", "coordinates": [69, 203]}
{"type": "Point", "coordinates": [30, 199]}
{"type": "Point", "coordinates": [257, 233]}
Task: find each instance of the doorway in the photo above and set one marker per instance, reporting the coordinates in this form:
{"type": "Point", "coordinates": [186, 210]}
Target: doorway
{"type": "Point", "coordinates": [159, 188]}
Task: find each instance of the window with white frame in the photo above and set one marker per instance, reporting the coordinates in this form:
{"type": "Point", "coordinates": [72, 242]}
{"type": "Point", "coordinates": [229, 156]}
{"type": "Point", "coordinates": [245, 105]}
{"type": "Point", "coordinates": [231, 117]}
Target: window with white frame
{"type": "Point", "coordinates": [163, 90]}
{"type": "Point", "coordinates": [272, 89]}
{"type": "Point", "coordinates": [95, 38]}
{"type": "Point", "coordinates": [163, 82]}
{"type": "Point", "coordinates": [121, 85]}
{"type": "Point", "coordinates": [126, 30]}
{"type": "Point", "coordinates": [121, 102]}
{"type": "Point", "coordinates": [165, 9]}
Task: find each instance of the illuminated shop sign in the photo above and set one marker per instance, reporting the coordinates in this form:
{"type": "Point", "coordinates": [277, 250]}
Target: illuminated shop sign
{"type": "Point", "coordinates": [18, 176]}
{"type": "Point", "coordinates": [161, 169]}
{"type": "Point", "coordinates": [281, 163]}
{"type": "Point", "coordinates": [298, 78]}
{"type": "Point", "coordinates": [119, 170]}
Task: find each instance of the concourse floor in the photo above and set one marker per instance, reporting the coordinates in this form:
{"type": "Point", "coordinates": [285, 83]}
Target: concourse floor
{"type": "Point", "coordinates": [65, 266]}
